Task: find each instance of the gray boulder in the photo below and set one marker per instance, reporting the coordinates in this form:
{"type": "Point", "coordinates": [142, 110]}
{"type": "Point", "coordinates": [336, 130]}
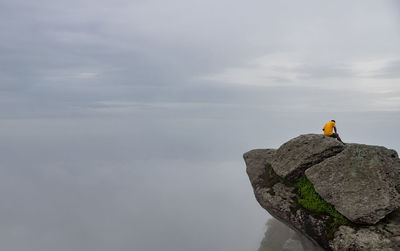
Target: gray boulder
{"type": "Point", "coordinates": [280, 200]}
{"type": "Point", "coordinates": [256, 161]}
{"type": "Point", "coordinates": [360, 182]}
{"type": "Point", "coordinates": [365, 166]}
{"type": "Point", "coordinates": [347, 238]}
{"type": "Point", "coordinates": [295, 156]}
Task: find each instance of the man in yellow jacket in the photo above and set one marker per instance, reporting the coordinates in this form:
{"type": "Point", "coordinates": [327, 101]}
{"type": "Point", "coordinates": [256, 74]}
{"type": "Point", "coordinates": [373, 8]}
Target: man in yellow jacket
{"type": "Point", "coordinates": [328, 130]}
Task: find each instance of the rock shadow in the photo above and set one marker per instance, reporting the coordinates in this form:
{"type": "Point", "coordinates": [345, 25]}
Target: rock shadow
{"type": "Point", "coordinates": [278, 237]}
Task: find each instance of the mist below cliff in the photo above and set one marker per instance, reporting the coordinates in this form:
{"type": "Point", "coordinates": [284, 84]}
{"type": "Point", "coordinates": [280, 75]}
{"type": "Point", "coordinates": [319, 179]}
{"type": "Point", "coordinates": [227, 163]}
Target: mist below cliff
{"type": "Point", "coordinates": [153, 181]}
{"type": "Point", "coordinates": [278, 236]}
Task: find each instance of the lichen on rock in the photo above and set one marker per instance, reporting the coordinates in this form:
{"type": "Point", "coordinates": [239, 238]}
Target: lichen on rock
{"type": "Point", "coordinates": [360, 182]}
{"type": "Point", "coordinates": [342, 176]}
{"type": "Point", "coordinates": [295, 156]}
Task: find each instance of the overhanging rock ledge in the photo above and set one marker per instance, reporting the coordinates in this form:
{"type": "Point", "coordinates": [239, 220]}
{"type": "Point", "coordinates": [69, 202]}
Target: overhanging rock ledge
{"type": "Point", "coordinates": [359, 181]}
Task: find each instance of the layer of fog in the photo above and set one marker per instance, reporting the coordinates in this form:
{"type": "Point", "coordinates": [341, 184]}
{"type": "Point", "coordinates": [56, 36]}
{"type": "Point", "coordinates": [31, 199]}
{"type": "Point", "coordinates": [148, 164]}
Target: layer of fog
{"type": "Point", "coordinates": [147, 181]}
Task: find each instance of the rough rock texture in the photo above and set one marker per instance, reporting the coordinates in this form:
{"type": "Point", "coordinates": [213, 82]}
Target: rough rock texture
{"type": "Point", "coordinates": [258, 159]}
{"type": "Point", "coordinates": [298, 154]}
{"type": "Point", "coordinates": [364, 239]}
{"type": "Point", "coordinates": [277, 195]}
{"type": "Point", "coordinates": [382, 236]}
{"type": "Point", "coordinates": [360, 182]}
{"type": "Point", "coordinates": [280, 200]}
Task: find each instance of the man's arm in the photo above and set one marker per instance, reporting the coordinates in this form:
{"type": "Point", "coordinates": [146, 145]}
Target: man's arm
{"type": "Point", "coordinates": [334, 128]}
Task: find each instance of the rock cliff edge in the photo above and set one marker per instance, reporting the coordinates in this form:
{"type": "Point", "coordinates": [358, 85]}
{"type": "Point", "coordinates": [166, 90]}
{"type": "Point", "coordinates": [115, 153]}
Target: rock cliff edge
{"type": "Point", "coordinates": [342, 197]}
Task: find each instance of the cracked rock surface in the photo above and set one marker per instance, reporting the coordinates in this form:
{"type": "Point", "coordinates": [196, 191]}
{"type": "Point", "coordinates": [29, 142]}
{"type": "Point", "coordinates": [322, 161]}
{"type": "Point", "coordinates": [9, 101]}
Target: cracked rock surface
{"type": "Point", "coordinates": [360, 182]}
{"type": "Point", "coordinates": [350, 174]}
{"type": "Point", "coordinates": [295, 156]}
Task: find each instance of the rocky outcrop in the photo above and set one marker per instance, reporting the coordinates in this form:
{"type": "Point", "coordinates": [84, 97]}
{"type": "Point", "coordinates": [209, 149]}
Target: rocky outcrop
{"type": "Point", "coordinates": [280, 200]}
{"type": "Point", "coordinates": [383, 236]}
{"type": "Point", "coordinates": [298, 154]}
{"type": "Point", "coordinates": [360, 182]}
{"type": "Point", "coordinates": [342, 175]}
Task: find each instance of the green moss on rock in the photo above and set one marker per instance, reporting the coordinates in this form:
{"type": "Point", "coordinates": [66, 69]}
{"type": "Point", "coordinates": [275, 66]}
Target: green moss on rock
{"type": "Point", "coordinates": [310, 200]}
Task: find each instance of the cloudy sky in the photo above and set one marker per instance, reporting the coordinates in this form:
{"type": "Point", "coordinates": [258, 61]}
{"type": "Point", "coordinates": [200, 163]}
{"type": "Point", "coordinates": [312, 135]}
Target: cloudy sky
{"type": "Point", "coordinates": [122, 123]}
{"type": "Point", "coordinates": [79, 57]}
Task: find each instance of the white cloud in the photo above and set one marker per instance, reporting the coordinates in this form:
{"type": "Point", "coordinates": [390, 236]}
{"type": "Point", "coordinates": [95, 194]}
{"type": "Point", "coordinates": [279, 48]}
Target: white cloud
{"type": "Point", "coordinates": [365, 79]}
{"type": "Point", "coordinates": [299, 69]}
{"type": "Point", "coordinates": [386, 104]}
{"type": "Point", "coordinates": [70, 76]}
{"type": "Point", "coordinates": [370, 68]}
{"type": "Point", "coordinates": [269, 70]}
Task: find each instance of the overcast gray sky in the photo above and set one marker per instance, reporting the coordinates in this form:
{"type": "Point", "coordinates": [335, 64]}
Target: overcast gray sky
{"type": "Point", "coordinates": [91, 56]}
{"type": "Point", "coordinates": [122, 123]}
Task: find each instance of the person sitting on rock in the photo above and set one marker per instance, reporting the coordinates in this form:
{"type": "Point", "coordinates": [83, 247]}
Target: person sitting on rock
{"type": "Point", "coordinates": [328, 130]}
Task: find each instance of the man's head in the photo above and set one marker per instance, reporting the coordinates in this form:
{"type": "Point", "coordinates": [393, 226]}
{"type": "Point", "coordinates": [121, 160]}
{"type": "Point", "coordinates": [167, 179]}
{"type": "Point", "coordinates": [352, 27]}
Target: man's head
{"type": "Point", "coordinates": [333, 121]}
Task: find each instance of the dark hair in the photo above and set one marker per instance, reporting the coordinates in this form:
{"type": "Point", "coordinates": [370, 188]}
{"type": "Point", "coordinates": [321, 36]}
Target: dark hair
{"type": "Point", "coordinates": [333, 120]}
